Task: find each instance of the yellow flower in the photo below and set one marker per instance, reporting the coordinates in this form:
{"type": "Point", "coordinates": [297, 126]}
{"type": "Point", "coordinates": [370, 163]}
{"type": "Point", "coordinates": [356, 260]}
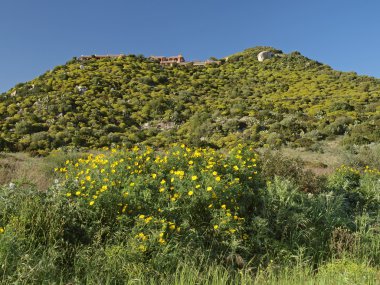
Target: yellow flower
{"type": "Point", "coordinates": [163, 181]}
{"type": "Point", "coordinates": [216, 227]}
{"type": "Point", "coordinates": [161, 241]}
{"type": "Point", "coordinates": [194, 177]}
{"type": "Point", "coordinates": [68, 194]}
{"type": "Point", "coordinates": [215, 173]}
{"type": "Point", "coordinates": [92, 203]}
{"type": "Point", "coordinates": [142, 248]}
{"type": "Point", "coordinates": [77, 193]}
{"type": "Point", "coordinates": [147, 220]}
{"type": "Point", "coordinates": [154, 175]}
{"type": "Point", "coordinates": [197, 186]}
{"type": "Point", "coordinates": [190, 193]}
{"type": "Point", "coordinates": [161, 190]}
{"type": "Point", "coordinates": [172, 227]}
{"type": "Point", "coordinates": [191, 162]}
{"type": "Point", "coordinates": [132, 184]}
{"type": "Point", "coordinates": [1, 230]}
{"type": "Point", "coordinates": [88, 178]}
{"type": "Point", "coordinates": [141, 216]}
{"type": "Point", "coordinates": [236, 168]}
{"type": "Point", "coordinates": [223, 206]}
{"type": "Point", "coordinates": [217, 178]}
{"type": "Point", "coordinates": [209, 188]}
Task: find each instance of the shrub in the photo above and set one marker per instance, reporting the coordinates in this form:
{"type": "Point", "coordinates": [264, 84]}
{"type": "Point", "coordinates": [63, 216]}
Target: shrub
{"type": "Point", "coordinates": [194, 195]}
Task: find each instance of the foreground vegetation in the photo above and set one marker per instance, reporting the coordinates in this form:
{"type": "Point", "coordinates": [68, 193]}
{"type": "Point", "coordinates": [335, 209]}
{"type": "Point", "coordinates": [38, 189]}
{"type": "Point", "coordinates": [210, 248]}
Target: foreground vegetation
{"type": "Point", "coordinates": [287, 100]}
{"type": "Point", "coordinates": [190, 215]}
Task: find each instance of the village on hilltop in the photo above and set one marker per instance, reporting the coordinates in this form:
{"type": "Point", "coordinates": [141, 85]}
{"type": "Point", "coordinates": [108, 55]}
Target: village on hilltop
{"type": "Point", "coordinates": [163, 60]}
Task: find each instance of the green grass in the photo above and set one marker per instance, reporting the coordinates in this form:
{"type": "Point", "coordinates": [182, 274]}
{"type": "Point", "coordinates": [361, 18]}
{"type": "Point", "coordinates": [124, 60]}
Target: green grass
{"type": "Point", "coordinates": [288, 236]}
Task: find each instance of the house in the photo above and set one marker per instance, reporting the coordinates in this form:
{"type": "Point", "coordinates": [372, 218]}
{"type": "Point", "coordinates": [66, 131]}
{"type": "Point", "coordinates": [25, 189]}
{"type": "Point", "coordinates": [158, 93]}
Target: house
{"type": "Point", "coordinates": [169, 60]}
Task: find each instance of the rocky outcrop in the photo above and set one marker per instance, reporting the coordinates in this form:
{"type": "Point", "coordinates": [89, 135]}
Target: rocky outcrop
{"type": "Point", "coordinates": [264, 55]}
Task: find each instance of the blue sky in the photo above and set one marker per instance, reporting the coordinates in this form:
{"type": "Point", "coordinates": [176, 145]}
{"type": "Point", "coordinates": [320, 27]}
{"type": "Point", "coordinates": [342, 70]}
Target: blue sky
{"type": "Point", "coordinates": [36, 35]}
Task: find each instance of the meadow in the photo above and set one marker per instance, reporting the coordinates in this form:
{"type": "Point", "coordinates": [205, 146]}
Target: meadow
{"type": "Point", "coordinates": [187, 215]}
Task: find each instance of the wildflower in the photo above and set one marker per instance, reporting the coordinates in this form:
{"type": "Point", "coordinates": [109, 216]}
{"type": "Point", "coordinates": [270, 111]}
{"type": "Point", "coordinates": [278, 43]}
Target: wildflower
{"type": "Point", "coordinates": [209, 188]}
{"type": "Point", "coordinates": [190, 193]}
{"type": "Point", "coordinates": [197, 186]}
{"type": "Point", "coordinates": [92, 203]}
{"type": "Point", "coordinates": [236, 168]}
{"type": "Point", "coordinates": [147, 220]}
{"type": "Point", "coordinates": [172, 227]}
{"type": "Point", "coordinates": [68, 194]}
{"type": "Point", "coordinates": [161, 241]}
{"type": "Point", "coordinates": [1, 230]}
{"type": "Point", "coordinates": [77, 193]}
{"type": "Point", "coordinates": [216, 227]}
{"type": "Point", "coordinates": [142, 217]}
{"type": "Point", "coordinates": [161, 190]}
{"type": "Point", "coordinates": [191, 162]}
{"type": "Point", "coordinates": [142, 248]}
{"type": "Point", "coordinates": [194, 177]}
{"type": "Point", "coordinates": [215, 173]}
{"type": "Point", "coordinates": [132, 184]}
{"type": "Point", "coordinates": [217, 178]}
{"type": "Point", "coordinates": [223, 206]}
{"type": "Point", "coordinates": [163, 181]}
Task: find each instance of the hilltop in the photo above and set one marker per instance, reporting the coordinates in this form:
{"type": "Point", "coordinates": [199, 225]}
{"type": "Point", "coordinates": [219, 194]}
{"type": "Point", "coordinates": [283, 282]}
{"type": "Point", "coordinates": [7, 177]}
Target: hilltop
{"type": "Point", "coordinates": [285, 100]}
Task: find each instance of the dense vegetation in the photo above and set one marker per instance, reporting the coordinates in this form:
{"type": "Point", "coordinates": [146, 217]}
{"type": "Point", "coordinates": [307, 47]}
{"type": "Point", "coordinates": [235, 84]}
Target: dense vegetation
{"type": "Point", "coordinates": [169, 175]}
{"type": "Point", "coordinates": [190, 216]}
{"type": "Point", "coordinates": [286, 100]}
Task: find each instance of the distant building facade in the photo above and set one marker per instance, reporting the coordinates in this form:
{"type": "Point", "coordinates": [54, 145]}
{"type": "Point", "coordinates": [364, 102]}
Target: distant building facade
{"type": "Point", "coordinates": [163, 60]}
{"type": "Point", "coordinates": [169, 60]}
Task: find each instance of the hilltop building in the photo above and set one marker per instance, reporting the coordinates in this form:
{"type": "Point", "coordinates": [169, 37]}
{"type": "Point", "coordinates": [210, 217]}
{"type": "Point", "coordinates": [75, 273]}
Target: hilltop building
{"type": "Point", "coordinates": [163, 60]}
{"type": "Point", "coordinates": [170, 60]}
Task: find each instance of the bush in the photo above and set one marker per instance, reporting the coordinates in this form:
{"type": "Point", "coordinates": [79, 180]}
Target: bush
{"type": "Point", "coordinates": [189, 195]}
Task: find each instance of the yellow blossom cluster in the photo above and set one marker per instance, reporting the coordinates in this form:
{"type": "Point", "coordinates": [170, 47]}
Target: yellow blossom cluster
{"type": "Point", "coordinates": [166, 193]}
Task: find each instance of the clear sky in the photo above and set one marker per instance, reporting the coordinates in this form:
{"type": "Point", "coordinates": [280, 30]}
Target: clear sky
{"type": "Point", "coordinates": [36, 35]}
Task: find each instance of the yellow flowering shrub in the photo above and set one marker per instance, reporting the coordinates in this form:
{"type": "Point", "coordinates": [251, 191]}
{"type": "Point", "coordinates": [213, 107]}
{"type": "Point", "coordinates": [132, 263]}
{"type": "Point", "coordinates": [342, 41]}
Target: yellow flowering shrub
{"type": "Point", "coordinates": [163, 195]}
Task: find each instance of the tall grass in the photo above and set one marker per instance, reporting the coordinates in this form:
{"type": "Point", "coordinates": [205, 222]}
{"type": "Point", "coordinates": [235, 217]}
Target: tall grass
{"type": "Point", "coordinates": [288, 236]}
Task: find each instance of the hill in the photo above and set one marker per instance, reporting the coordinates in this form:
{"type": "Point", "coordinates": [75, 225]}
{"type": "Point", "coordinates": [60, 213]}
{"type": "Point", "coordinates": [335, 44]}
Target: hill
{"type": "Point", "coordinates": [286, 100]}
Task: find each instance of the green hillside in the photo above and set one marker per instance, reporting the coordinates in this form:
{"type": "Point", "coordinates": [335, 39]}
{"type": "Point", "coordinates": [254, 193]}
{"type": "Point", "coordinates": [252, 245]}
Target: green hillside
{"type": "Point", "coordinates": [286, 100]}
